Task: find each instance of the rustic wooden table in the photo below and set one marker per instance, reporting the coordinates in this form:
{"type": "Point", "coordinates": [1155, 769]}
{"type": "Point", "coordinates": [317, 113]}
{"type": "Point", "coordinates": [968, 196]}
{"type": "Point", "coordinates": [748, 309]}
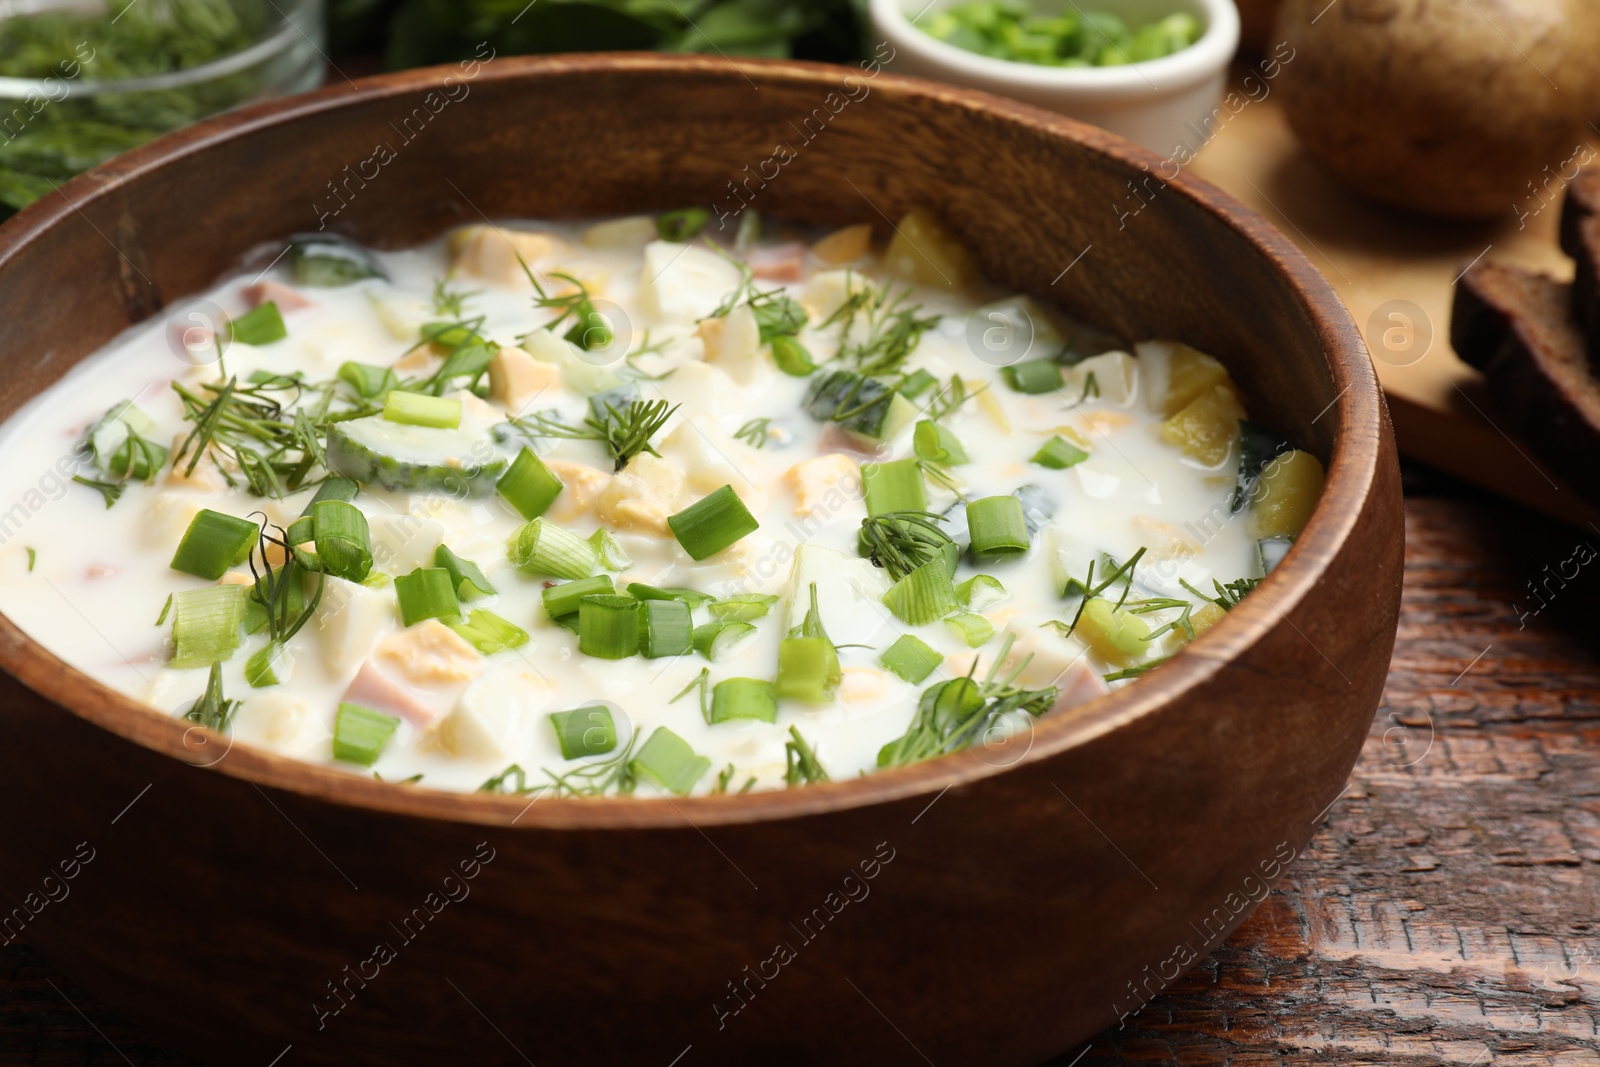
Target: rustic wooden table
{"type": "Point", "coordinates": [1447, 912]}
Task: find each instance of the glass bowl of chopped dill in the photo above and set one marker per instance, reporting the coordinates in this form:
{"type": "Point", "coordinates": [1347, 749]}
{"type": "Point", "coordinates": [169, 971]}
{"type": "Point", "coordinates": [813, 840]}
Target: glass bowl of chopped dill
{"type": "Point", "coordinates": [82, 80]}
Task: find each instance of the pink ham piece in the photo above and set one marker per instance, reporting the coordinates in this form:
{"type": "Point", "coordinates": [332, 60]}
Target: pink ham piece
{"type": "Point", "coordinates": [286, 298]}
{"type": "Point", "coordinates": [372, 688]}
{"type": "Point", "coordinates": [1079, 684]}
{"type": "Point", "coordinates": [779, 263]}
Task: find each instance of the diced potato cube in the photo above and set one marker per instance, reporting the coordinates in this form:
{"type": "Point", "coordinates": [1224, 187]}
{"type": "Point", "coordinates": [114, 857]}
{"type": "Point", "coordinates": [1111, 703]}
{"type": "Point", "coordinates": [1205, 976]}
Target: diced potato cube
{"type": "Point", "coordinates": [683, 283]}
{"type": "Point", "coordinates": [626, 234]}
{"type": "Point", "coordinates": [1111, 376]}
{"type": "Point", "coordinates": [167, 519]}
{"type": "Point", "coordinates": [429, 653]}
{"type": "Point", "coordinates": [825, 484]}
{"type": "Point", "coordinates": [516, 378]}
{"type": "Point", "coordinates": [827, 291]}
{"type": "Point", "coordinates": [349, 619]}
{"type": "Point", "coordinates": [403, 318]}
{"type": "Point", "coordinates": [1286, 494]}
{"type": "Point", "coordinates": [923, 250]}
{"type": "Point", "coordinates": [733, 342]}
{"type": "Point", "coordinates": [496, 718]}
{"type": "Point", "coordinates": [581, 486]}
{"type": "Point", "coordinates": [1189, 373]}
{"type": "Point", "coordinates": [491, 252]}
{"type": "Point", "coordinates": [701, 389]}
{"type": "Point", "coordinates": [577, 374]}
{"type": "Point", "coordinates": [1112, 633]}
{"type": "Point", "coordinates": [281, 722]}
{"type": "Point", "coordinates": [642, 495]}
{"type": "Point", "coordinates": [1207, 427]}
{"type": "Point", "coordinates": [844, 246]}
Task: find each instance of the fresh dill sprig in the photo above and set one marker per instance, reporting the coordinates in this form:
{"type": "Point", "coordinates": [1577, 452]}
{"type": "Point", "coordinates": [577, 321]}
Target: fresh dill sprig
{"type": "Point", "coordinates": [625, 432]}
{"type": "Point", "coordinates": [1123, 573]}
{"type": "Point", "coordinates": [802, 765]}
{"type": "Point", "coordinates": [614, 775]}
{"type": "Point", "coordinates": [890, 329]}
{"type": "Point", "coordinates": [955, 714]}
{"type": "Point", "coordinates": [589, 329]}
{"type": "Point", "coordinates": [511, 782]}
{"type": "Point", "coordinates": [725, 779]}
{"type": "Point", "coordinates": [902, 541]}
{"type": "Point", "coordinates": [1136, 670]}
{"type": "Point", "coordinates": [1228, 596]}
{"type": "Point", "coordinates": [447, 302]}
{"type": "Point", "coordinates": [213, 710]}
{"type": "Point", "coordinates": [279, 592]}
{"type": "Point", "coordinates": [949, 399]}
{"type": "Point", "coordinates": [702, 682]}
{"type": "Point", "coordinates": [271, 432]}
{"type": "Point", "coordinates": [469, 354]}
{"type": "Point", "coordinates": [1165, 603]}
{"type": "Point", "coordinates": [754, 432]}
{"type": "Point", "coordinates": [1091, 386]}
{"type": "Point", "coordinates": [111, 491]}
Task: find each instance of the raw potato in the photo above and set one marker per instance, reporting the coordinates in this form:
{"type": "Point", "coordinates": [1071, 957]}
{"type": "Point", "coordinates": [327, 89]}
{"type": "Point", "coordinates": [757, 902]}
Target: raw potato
{"type": "Point", "coordinates": [924, 251]}
{"type": "Point", "coordinates": [1446, 107]}
{"type": "Point", "coordinates": [1207, 426]}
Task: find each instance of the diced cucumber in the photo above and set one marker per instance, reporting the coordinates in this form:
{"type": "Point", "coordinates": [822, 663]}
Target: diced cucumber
{"type": "Point", "coordinates": [863, 407]}
{"type": "Point", "coordinates": [1270, 552]}
{"type": "Point", "coordinates": [107, 437]}
{"type": "Point", "coordinates": [397, 455]}
{"type": "Point", "coordinates": [323, 260]}
{"type": "Point", "coordinates": [1257, 448]}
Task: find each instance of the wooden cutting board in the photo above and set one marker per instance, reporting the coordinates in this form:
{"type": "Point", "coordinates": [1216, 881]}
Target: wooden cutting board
{"type": "Point", "coordinates": [1396, 273]}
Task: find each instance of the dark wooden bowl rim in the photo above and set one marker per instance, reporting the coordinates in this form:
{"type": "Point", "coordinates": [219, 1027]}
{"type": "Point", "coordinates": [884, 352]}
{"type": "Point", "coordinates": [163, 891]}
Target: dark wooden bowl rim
{"type": "Point", "coordinates": [1358, 409]}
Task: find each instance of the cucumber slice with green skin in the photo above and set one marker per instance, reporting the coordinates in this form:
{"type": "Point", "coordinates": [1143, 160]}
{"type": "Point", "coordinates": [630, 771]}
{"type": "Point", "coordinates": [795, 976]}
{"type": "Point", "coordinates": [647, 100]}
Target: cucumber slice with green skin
{"type": "Point", "coordinates": [324, 260]}
{"type": "Point", "coordinates": [1257, 448]}
{"type": "Point", "coordinates": [1270, 552]}
{"type": "Point", "coordinates": [865, 408]}
{"type": "Point", "coordinates": [375, 451]}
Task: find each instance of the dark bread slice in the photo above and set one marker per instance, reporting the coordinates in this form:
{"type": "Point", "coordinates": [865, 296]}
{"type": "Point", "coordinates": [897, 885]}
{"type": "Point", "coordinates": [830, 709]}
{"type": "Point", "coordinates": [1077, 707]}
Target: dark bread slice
{"type": "Point", "coordinates": [1518, 328]}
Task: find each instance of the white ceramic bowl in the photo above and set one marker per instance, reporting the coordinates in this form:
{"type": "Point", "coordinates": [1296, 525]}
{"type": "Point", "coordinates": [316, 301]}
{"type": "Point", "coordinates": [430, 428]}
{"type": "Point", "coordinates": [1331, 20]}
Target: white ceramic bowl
{"type": "Point", "coordinates": [1160, 104]}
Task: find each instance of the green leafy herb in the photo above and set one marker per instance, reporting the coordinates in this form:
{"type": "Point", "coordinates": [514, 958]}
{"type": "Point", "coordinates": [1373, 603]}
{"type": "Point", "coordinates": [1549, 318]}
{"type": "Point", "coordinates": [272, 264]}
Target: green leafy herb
{"type": "Point", "coordinates": [111, 491]}
{"type": "Point", "coordinates": [447, 302]}
{"type": "Point", "coordinates": [625, 432]}
{"type": "Point", "coordinates": [803, 767]}
{"type": "Point", "coordinates": [754, 432]}
{"type": "Point", "coordinates": [212, 710]}
{"type": "Point", "coordinates": [961, 712]}
{"type": "Point", "coordinates": [878, 330]}
{"type": "Point", "coordinates": [1229, 595]}
{"type": "Point", "coordinates": [902, 541]}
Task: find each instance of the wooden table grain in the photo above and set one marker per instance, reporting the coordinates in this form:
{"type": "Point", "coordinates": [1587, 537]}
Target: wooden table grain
{"type": "Point", "coordinates": [1446, 913]}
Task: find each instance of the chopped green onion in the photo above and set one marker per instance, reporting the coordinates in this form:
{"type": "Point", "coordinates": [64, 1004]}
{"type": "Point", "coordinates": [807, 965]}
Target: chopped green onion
{"type": "Point", "coordinates": [367, 380]}
{"type": "Point", "coordinates": [917, 383]}
{"type": "Point", "coordinates": [33, 557]}
{"type": "Point", "coordinates": [213, 543]}
{"type": "Point", "coordinates": [300, 531]}
{"type": "Point", "coordinates": [911, 658]}
{"type": "Point", "coordinates": [683, 224]}
{"type": "Point", "coordinates": [719, 640]}
{"type": "Point", "coordinates": [563, 599]}
{"type": "Point", "coordinates": [426, 593]}
{"type": "Point", "coordinates": [465, 575]}
{"type": "Point", "coordinates": [997, 527]}
{"type": "Point", "coordinates": [745, 607]}
{"type": "Point", "coordinates": [613, 557]}
{"type": "Point", "coordinates": [261, 669]}
{"type": "Point", "coordinates": [979, 592]}
{"type": "Point", "coordinates": [1033, 376]}
{"type": "Point", "coordinates": [935, 444]}
{"type": "Point", "coordinates": [743, 698]}
{"type": "Point", "coordinates": [791, 357]}
{"type": "Point", "coordinates": [973, 628]}
{"type": "Point", "coordinates": [923, 596]}
{"type": "Point", "coordinates": [650, 592]}
{"type": "Point", "coordinates": [608, 626]}
{"type": "Point", "coordinates": [333, 488]}
{"type": "Point", "coordinates": [667, 760]}
{"type": "Point", "coordinates": [586, 731]}
{"type": "Point", "coordinates": [359, 734]}
{"type": "Point", "coordinates": [1058, 454]}
{"type": "Point", "coordinates": [488, 632]}
{"type": "Point", "coordinates": [261, 326]}
{"type": "Point", "coordinates": [528, 486]}
{"type": "Point", "coordinates": [712, 523]}
{"type": "Point", "coordinates": [342, 539]}
{"type": "Point", "coordinates": [419, 409]}
{"type": "Point", "coordinates": [893, 486]}
{"type": "Point", "coordinates": [543, 549]}
{"type": "Point", "coordinates": [808, 669]}
{"type": "Point", "coordinates": [801, 759]}
{"type": "Point", "coordinates": [205, 625]}
{"type": "Point", "coordinates": [666, 628]}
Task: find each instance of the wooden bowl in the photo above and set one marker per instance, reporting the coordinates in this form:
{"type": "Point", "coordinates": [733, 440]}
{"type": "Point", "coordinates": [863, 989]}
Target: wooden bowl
{"type": "Point", "coordinates": [992, 907]}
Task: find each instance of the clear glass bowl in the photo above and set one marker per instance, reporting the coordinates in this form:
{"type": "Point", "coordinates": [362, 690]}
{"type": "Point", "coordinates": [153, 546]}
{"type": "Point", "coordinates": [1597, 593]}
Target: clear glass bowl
{"type": "Point", "coordinates": [53, 127]}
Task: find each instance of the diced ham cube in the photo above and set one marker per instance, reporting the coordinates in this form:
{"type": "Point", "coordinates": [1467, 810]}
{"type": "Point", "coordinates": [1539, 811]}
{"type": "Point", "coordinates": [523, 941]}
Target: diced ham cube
{"type": "Point", "coordinates": [779, 263]}
{"type": "Point", "coordinates": [286, 298]}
